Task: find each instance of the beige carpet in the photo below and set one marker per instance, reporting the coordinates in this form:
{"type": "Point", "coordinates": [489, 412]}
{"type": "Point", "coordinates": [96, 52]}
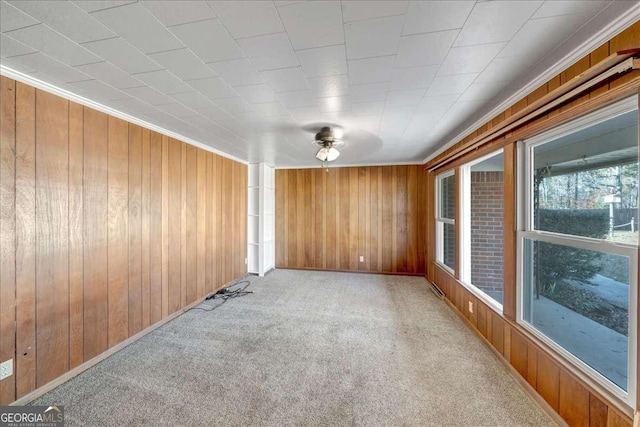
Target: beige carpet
{"type": "Point", "coordinates": [306, 349]}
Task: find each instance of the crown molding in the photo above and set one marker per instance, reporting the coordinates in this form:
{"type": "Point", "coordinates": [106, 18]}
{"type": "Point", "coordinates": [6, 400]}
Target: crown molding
{"type": "Point", "coordinates": [351, 165]}
{"type": "Point", "coordinates": [615, 27]}
{"type": "Point", "coordinates": [47, 87]}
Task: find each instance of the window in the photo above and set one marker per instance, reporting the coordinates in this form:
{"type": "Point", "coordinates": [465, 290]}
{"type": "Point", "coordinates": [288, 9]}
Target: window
{"type": "Point", "coordinates": [482, 228]}
{"type": "Point", "coordinates": [445, 220]}
{"type": "Point", "coordinates": [578, 243]}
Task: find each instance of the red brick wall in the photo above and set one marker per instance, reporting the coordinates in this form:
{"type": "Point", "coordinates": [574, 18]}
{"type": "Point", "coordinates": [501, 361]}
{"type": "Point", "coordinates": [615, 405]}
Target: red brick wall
{"type": "Point", "coordinates": [487, 201]}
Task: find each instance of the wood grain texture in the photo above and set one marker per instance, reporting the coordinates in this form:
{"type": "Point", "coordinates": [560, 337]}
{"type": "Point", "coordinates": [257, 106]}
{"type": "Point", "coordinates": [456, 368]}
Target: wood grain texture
{"type": "Point", "coordinates": [76, 235]}
{"type": "Point", "coordinates": [96, 236]}
{"type": "Point", "coordinates": [573, 401]}
{"type": "Point", "coordinates": [52, 229]}
{"type": "Point", "coordinates": [7, 232]}
{"type": "Point", "coordinates": [327, 220]}
{"type": "Point", "coordinates": [91, 221]}
{"type": "Point", "coordinates": [25, 239]}
{"type": "Point", "coordinates": [118, 231]}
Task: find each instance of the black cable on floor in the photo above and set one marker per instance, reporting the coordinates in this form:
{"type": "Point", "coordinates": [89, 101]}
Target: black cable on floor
{"type": "Point", "coordinates": [226, 294]}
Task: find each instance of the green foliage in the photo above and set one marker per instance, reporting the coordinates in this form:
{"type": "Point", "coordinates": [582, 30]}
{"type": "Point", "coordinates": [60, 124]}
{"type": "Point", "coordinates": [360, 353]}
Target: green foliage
{"type": "Point", "coordinates": [557, 263]}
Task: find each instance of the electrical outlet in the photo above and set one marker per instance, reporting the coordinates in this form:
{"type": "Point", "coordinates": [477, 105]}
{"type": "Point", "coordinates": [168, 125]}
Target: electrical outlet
{"type": "Point", "coordinates": [6, 369]}
{"type": "Point", "coordinates": [470, 306]}
{"type": "Point", "coordinates": [246, 261]}
{"type": "Point", "coordinates": [361, 258]}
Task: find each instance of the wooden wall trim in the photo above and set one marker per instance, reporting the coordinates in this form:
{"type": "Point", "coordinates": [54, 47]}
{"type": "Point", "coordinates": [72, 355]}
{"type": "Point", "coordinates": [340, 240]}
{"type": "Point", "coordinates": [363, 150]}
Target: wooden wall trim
{"type": "Point", "coordinates": [103, 225]}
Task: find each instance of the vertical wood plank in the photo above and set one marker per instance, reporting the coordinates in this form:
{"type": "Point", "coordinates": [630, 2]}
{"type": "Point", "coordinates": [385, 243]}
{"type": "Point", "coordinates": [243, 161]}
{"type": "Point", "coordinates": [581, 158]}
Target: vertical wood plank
{"type": "Point", "coordinates": [597, 412]}
{"type": "Point", "coordinates": [532, 365]}
{"type": "Point", "coordinates": [146, 227]}
{"type": "Point", "coordinates": [374, 209]}
{"type": "Point", "coordinates": [509, 232]}
{"type": "Point", "coordinates": [201, 217]}
{"type": "Point", "coordinates": [318, 201]}
{"type": "Point", "coordinates": [25, 205]}
{"type": "Point", "coordinates": [217, 221]}
{"type": "Point", "coordinates": [155, 229]}
{"type": "Point", "coordinates": [165, 226]}
{"type": "Point", "coordinates": [96, 291]}
{"type": "Point", "coordinates": [76, 235]}
{"type": "Point", "coordinates": [548, 380]}
{"type": "Point", "coordinates": [118, 232]}
{"type": "Point", "coordinates": [183, 224]}
{"type": "Point", "coordinates": [225, 203]}
{"type": "Point", "coordinates": [387, 203]}
{"type": "Point", "coordinates": [362, 220]}
{"type": "Point", "coordinates": [7, 233]}
{"type": "Point", "coordinates": [209, 242]}
{"type": "Point", "coordinates": [331, 227]}
{"type": "Point", "coordinates": [135, 229]}
{"type": "Point", "coordinates": [573, 401]}
{"type": "Point", "coordinates": [344, 218]}
{"type": "Point", "coordinates": [519, 353]}
{"type": "Point", "coordinates": [52, 243]}
{"type": "Point", "coordinates": [174, 224]}
{"type": "Point", "coordinates": [191, 216]}
{"type": "Point", "coordinates": [402, 217]}
{"type": "Point", "coordinates": [412, 218]}
{"type": "Point", "coordinates": [353, 255]}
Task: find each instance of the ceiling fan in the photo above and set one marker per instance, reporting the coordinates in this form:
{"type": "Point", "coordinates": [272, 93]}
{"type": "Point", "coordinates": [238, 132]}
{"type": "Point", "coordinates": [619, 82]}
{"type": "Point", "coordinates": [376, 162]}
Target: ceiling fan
{"type": "Point", "coordinates": [328, 139]}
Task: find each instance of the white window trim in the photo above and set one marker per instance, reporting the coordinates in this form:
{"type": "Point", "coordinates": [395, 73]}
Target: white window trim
{"type": "Point", "coordinates": [526, 231]}
{"type": "Point", "coordinates": [440, 222]}
{"type": "Point", "coordinates": [465, 231]}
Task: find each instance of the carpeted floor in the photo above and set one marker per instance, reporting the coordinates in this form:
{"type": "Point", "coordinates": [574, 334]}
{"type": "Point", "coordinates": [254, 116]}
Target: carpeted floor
{"type": "Point", "coordinates": [306, 349]}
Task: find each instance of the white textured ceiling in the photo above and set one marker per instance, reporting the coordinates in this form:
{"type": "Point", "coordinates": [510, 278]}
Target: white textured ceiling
{"type": "Point", "coordinates": [245, 76]}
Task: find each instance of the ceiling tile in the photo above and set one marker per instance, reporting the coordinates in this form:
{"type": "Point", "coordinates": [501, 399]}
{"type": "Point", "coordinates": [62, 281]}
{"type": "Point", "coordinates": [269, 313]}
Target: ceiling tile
{"type": "Point", "coordinates": [286, 79]}
{"type": "Point", "coordinates": [132, 106]}
{"type": "Point", "coordinates": [413, 78]}
{"type": "Point", "coordinates": [183, 64]}
{"type": "Point", "coordinates": [149, 95]}
{"type": "Point", "coordinates": [330, 85]}
{"type": "Point", "coordinates": [122, 55]}
{"type": "Point", "coordinates": [482, 91]}
{"type": "Point", "coordinates": [215, 113]}
{"type": "Point", "coordinates": [373, 37]}
{"type": "Point", "coordinates": [139, 27]}
{"type": "Point", "coordinates": [12, 18]}
{"type": "Point", "coordinates": [323, 61]}
{"type": "Point", "coordinates": [436, 103]}
{"type": "Point", "coordinates": [234, 105]}
{"type": "Point", "coordinates": [53, 44]}
{"type": "Point", "coordinates": [176, 12]}
{"type": "Point", "coordinates": [570, 7]}
{"type": "Point", "coordinates": [193, 100]}
{"type": "Point", "coordinates": [178, 110]}
{"type": "Point", "coordinates": [56, 69]}
{"type": "Point", "coordinates": [110, 75]}
{"type": "Point", "coordinates": [359, 10]}
{"type": "Point", "coordinates": [538, 36]}
{"type": "Point", "coordinates": [237, 72]}
{"type": "Point", "coordinates": [469, 59]}
{"type": "Point", "coordinates": [67, 19]}
{"type": "Point", "coordinates": [374, 108]}
{"type": "Point", "coordinates": [297, 99]}
{"type": "Point", "coordinates": [213, 88]}
{"type": "Point", "coordinates": [395, 121]}
{"type": "Point", "coordinates": [305, 113]}
{"type": "Point", "coordinates": [271, 109]}
{"type": "Point", "coordinates": [209, 40]}
{"type": "Point", "coordinates": [95, 5]}
{"type": "Point", "coordinates": [270, 51]}
{"type": "Point", "coordinates": [450, 85]}
{"type": "Point", "coordinates": [256, 93]}
{"type": "Point", "coordinates": [504, 69]}
{"type": "Point", "coordinates": [498, 21]}
{"type": "Point", "coordinates": [163, 81]}
{"type": "Point", "coordinates": [432, 16]}
{"type": "Point", "coordinates": [248, 18]}
{"type": "Point", "coordinates": [313, 24]}
{"type": "Point", "coordinates": [371, 70]}
{"type": "Point", "coordinates": [10, 47]}
{"type": "Point", "coordinates": [98, 90]}
{"type": "Point", "coordinates": [334, 103]}
{"type": "Point", "coordinates": [404, 98]}
{"type": "Point", "coordinates": [369, 92]}
{"type": "Point", "coordinates": [425, 49]}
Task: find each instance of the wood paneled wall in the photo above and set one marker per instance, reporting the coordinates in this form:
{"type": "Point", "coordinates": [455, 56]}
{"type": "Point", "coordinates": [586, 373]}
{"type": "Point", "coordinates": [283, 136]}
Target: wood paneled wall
{"type": "Point", "coordinates": [106, 228]}
{"type": "Point", "coordinates": [577, 403]}
{"type": "Point", "coordinates": [327, 220]}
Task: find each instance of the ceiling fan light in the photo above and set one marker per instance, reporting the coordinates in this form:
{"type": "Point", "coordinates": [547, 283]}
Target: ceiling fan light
{"type": "Point", "coordinates": [322, 154]}
{"type": "Point", "coordinates": [332, 154]}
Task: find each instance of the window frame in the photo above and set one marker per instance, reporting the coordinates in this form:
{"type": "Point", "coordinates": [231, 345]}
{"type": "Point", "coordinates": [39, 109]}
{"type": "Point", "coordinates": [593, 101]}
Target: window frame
{"type": "Point", "coordinates": [441, 221]}
{"type": "Point", "coordinates": [526, 231]}
{"type": "Point", "coordinates": [465, 231]}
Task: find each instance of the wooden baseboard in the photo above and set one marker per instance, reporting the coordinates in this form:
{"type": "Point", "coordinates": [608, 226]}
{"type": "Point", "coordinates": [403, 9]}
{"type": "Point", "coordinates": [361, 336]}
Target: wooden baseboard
{"type": "Point", "coordinates": [116, 348]}
{"type": "Point", "coordinates": [515, 374]}
{"type": "Point", "coordinates": [385, 273]}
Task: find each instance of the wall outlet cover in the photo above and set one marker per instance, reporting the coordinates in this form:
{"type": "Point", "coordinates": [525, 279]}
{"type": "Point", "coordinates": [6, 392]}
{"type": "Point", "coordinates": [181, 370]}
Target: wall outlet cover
{"type": "Point", "coordinates": [6, 369]}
